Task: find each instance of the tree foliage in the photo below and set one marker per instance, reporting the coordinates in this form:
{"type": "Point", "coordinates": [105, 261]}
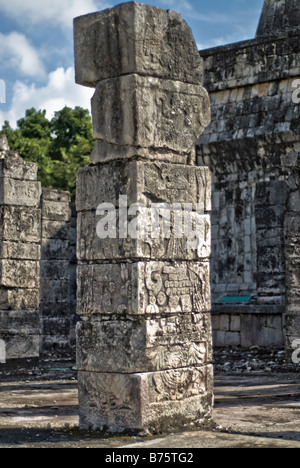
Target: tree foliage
{"type": "Point", "coordinates": [59, 146]}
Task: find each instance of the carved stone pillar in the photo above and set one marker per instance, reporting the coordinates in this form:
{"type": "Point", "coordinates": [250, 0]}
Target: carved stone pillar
{"type": "Point", "coordinates": [144, 342]}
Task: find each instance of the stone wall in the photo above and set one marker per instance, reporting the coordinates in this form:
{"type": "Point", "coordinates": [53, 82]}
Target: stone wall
{"type": "Point", "coordinates": [54, 280]}
{"type": "Point", "coordinates": [20, 239]}
{"type": "Point", "coordinates": [38, 286]}
{"type": "Point", "coordinates": [252, 148]}
{"type": "Point", "coordinates": [247, 326]}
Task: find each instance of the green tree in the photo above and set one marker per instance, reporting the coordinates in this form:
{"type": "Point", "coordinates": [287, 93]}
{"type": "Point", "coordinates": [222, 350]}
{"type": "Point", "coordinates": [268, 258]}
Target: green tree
{"type": "Point", "coordinates": [68, 126]}
{"type": "Point", "coordinates": [59, 146]}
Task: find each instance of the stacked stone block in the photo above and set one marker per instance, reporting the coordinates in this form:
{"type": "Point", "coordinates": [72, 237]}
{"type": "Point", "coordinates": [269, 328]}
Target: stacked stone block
{"type": "Point", "coordinates": [144, 336]}
{"type": "Point", "coordinates": [20, 237]}
{"type": "Point", "coordinates": [252, 147]}
{"type": "Point", "coordinates": [246, 326]}
{"type": "Point", "coordinates": [54, 280]}
{"type": "Point", "coordinates": [270, 209]}
{"type": "Point", "coordinates": [292, 241]}
{"type": "Point", "coordinates": [72, 277]}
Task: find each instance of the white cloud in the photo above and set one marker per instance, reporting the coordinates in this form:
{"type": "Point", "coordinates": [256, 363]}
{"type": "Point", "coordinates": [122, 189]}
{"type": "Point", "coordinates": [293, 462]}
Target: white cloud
{"type": "Point", "coordinates": [56, 12]}
{"type": "Point", "coordinates": [17, 52]}
{"type": "Point", "coordinates": [220, 41]}
{"type": "Point", "coordinates": [59, 91]}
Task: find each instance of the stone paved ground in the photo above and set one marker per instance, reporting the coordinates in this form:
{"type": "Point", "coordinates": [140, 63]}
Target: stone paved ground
{"type": "Point", "coordinates": [253, 408]}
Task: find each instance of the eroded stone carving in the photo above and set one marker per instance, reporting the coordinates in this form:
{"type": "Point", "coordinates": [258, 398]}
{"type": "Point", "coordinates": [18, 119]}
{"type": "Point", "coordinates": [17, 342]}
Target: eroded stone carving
{"type": "Point", "coordinates": [144, 339]}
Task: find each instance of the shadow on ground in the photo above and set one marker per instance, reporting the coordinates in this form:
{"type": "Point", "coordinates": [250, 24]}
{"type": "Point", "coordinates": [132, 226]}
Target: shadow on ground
{"type": "Point", "coordinates": [41, 410]}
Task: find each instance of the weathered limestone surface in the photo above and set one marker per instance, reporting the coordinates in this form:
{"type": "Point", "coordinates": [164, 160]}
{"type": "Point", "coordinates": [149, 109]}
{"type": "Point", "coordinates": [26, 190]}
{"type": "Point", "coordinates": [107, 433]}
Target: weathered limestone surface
{"type": "Point", "coordinates": [163, 184]}
{"type": "Point", "coordinates": [144, 340]}
{"type": "Point", "coordinates": [154, 400]}
{"type": "Point", "coordinates": [20, 239]}
{"type": "Point", "coordinates": [141, 113]}
{"type": "Point", "coordinates": [54, 278]}
{"type": "Point", "coordinates": [148, 101]}
{"type": "Point", "coordinates": [252, 147]}
{"type": "Point", "coordinates": [129, 39]}
{"type": "Point", "coordinates": [149, 345]}
{"type": "Point", "coordinates": [143, 287]}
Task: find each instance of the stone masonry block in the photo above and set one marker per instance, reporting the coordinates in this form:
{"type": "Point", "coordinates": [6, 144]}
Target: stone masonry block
{"type": "Point", "coordinates": [19, 274]}
{"type": "Point", "coordinates": [55, 309]}
{"type": "Point", "coordinates": [19, 299]}
{"type": "Point", "coordinates": [21, 346]}
{"type": "Point", "coordinates": [144, 345]}
{"type": "Point", "coordinates": [164, 187]}
{"type": "Point", "coordinates": [53, 249]}
{"type": "Point", "coordinates": [55, 229]}
{"type": "Point", "coordinates": [292, 329]}
{"type": "Point", "coordinates": [144, 183]}
{"type": "Point", "coordinates": [55, 326]}
{"type": "Point", "coordinates": [59, 196]}
{"type": "Point", "coordinates": [55, 210]}
{"type": "Point", "coordinates": [19, 322]}
{"type": "Point", "coordinates": [143, 288]}
{"type": "Point", "coordinates": [55, 269]}
{"type": "Point", "coordinates": [20, 192]}
{"type": "Point", "coordinates": [155, 401]}
{"type": "Point", "coordinates": [14, 167]}
{"type": "Point", "coordinates": [137, 113]}
{"type": "Point", "coordinates": [54, 291]}
{"type": "Point", "coordinates": [19, 251]}
{"type": "Point", "coordinates": [134, 38]}
{"type": "Point", "coordinates": [21, 224]}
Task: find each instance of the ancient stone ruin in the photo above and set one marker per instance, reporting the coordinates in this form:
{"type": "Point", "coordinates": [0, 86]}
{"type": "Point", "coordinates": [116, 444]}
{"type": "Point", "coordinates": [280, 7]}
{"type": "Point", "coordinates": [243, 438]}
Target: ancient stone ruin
{"type": "Point", "coordinates": [144, 342]}
{"type": "Point", "coordinates": [144, 336]}
{"type": "Point", "coordinates": [252, 147]}
{"type": "Point", "coordinates": [38, 285]}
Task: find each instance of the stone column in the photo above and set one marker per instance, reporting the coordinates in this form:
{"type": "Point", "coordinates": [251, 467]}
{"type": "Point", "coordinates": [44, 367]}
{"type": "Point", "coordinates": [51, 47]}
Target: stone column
{"type": "Point", "coordinates": [144, 345]}
{"type": "Point", "coordinates": [292, 253]}
{"type": "Point", "coordinates": [55, 263]}
{"type": "Point", "coordinates": [20, 237]}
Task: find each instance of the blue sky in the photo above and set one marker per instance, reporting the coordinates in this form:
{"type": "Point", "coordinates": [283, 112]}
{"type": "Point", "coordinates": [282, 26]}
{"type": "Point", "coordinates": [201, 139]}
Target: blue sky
{"type": "Point", "coordinates": [36, 45]}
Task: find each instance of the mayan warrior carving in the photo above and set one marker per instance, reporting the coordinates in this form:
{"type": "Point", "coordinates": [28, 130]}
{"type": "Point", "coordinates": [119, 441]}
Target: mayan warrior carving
{"type": "Point", "coordinates": [144, 346]}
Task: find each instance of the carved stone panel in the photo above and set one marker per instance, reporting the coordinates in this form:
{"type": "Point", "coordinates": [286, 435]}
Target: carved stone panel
{"type": "Point", "coordinates": [154, 401]}
{"type": "Point", "coordinates": [138, 112]}
{"type": "Point", "coordinates": [143, 288]}
{"type": "Point", "coordinates": [144, 345]}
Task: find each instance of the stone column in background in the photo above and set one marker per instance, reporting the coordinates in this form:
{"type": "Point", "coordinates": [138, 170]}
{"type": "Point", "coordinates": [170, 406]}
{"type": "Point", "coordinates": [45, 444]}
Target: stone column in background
{"type": "Point", "coordinates": [20, 237]}
{"type": "Point", "coordinates": [270, 209]}
{"type": "Point", "coordinates": [55, 263]}
{"type": "Point", "coordinates": [292, 253]}
{"type": "Point", "coordinates": [144, 344]}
